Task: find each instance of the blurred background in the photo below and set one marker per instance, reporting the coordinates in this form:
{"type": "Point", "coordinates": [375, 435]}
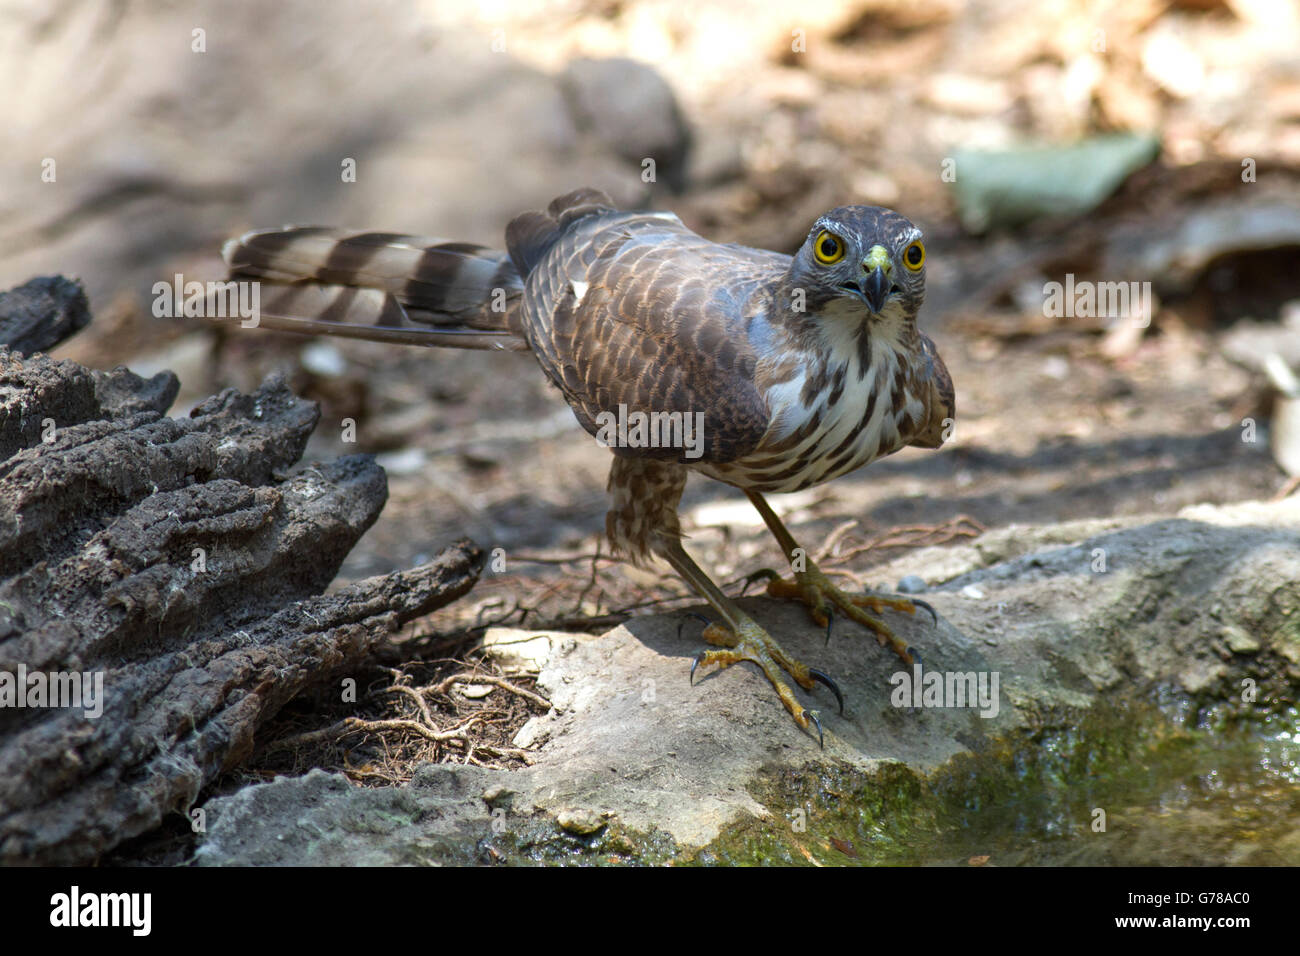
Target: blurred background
{"type": "Point", "coordinates": [1147, 141]}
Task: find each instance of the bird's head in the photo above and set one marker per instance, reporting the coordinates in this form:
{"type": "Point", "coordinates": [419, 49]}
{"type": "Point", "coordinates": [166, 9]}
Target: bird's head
{"type": "Point", "coordinates": [864, 256]}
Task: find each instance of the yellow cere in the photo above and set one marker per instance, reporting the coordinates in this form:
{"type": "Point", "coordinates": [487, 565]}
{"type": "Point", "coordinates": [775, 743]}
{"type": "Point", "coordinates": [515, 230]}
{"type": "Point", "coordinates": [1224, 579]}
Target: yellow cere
{"type": "Point", "coordinates": [878, 258]}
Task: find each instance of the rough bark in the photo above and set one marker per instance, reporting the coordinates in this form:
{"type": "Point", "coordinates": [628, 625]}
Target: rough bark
{"type": "Point", "coordinates": [41, 313]}
{"type": "Point", "coordinates": [183, 560]}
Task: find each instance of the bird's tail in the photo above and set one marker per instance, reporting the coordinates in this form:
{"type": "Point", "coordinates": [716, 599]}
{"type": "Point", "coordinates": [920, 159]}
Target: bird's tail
{"type": "Point", "coordinates": [381, 286]}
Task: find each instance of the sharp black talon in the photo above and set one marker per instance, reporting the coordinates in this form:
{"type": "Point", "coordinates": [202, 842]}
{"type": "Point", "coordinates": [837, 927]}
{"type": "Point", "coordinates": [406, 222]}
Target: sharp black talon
{"type": "Point", "coordinates": [821, 740]}
{"type": "Point", "coordinates": [699, 658]}
{"type": "Point", "coordinates": [915, 655]}
{"type": "Point", "coordinates": [823, 679]}
{"type": "Point", "coordinates": [768, 573]}
{"type": "Point", "coordinates": [927, 607]}
{"type": "Point", "coordinates": [697, 616]}
{"type": "Point", "coordinates": [830, 623]}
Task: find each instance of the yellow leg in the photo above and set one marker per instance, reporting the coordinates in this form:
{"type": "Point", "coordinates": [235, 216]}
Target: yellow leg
{"type": "Point", "coordinates": [740, 638]}
{"type": "Point", "coordinates": [814, 589]}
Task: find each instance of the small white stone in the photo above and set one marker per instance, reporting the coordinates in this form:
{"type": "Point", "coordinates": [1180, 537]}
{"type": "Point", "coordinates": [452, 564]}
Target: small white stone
{"type": "Point", "coordinates": [1056, 367]}
{"type": "Point", "coordinates": [321, 358]}
{"type": "Point", "coordinates": [520, 651]}
{"type": "Point", "coordinates": [408, 461]}
{"type": "Point", "coordinates": [972, 592]}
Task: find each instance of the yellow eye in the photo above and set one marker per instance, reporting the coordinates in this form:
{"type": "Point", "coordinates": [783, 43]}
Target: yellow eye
{"type": "Point", "coordinates": [914, 256]}
{"type": "Point", "coordinates": [828, 248]}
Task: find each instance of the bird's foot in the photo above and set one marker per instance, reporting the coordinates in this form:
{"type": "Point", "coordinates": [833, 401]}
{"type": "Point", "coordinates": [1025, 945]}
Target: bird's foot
{"type": "Point", "coordinates": [814, 589]}
{"type": "Point", "coordinates": [749, 642]}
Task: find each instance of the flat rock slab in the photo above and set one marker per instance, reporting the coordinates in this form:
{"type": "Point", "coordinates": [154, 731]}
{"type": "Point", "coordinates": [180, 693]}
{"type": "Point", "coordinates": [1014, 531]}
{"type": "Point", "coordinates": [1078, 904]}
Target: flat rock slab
{"type": "Point", "coordinates": [1064, 615]}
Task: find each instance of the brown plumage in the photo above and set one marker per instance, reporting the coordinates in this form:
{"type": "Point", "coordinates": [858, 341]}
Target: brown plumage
{"type": "Point", "coordinates": [793, 370]}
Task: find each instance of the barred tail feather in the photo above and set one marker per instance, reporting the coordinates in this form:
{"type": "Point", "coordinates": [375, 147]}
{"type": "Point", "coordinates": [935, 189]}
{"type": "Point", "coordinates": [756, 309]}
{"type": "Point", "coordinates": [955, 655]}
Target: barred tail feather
{"type": "Point", "coordinates": [309, 308]}
{"type": "Point", "coordinates": [383, 287]}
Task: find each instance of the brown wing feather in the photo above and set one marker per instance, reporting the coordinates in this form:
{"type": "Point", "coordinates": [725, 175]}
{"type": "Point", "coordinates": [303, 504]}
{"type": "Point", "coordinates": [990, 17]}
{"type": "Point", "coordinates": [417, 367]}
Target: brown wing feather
{"type": "Point", "coordinates": [636, 310]}
{"type": "Point", "coordinates": [940, 400]}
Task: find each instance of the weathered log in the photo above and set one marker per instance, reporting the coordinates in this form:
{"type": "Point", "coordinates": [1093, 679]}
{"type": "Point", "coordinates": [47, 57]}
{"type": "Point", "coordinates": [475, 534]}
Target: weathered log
{"type": "Point", "coordinates": [181, 562]}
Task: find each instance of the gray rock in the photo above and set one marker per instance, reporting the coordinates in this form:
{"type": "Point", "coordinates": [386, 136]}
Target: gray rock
{"type": "Point", "coordinates": [912, 584]}
{"type": "Point", "coordinates": [629, 108]}
{"type": "Point", "coordinates": [629, 738]}
{"type": "Point", "coordinates": [1204, 232]}
{"type": "Point", "coordinates": [580, 821]}
{"type": "Point", "coordinates": [1238, 640]}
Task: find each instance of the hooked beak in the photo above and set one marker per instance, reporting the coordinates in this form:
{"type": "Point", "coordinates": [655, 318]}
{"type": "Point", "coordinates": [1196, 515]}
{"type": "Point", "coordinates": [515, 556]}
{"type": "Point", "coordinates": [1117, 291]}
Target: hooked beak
{"type": "Point", "coordinates": [875, 288]}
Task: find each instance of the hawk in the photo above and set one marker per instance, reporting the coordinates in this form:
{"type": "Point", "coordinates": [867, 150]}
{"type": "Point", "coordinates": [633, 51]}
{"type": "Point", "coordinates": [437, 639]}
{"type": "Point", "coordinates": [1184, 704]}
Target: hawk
{"type": "Point", "coordinates": [797, 369]}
